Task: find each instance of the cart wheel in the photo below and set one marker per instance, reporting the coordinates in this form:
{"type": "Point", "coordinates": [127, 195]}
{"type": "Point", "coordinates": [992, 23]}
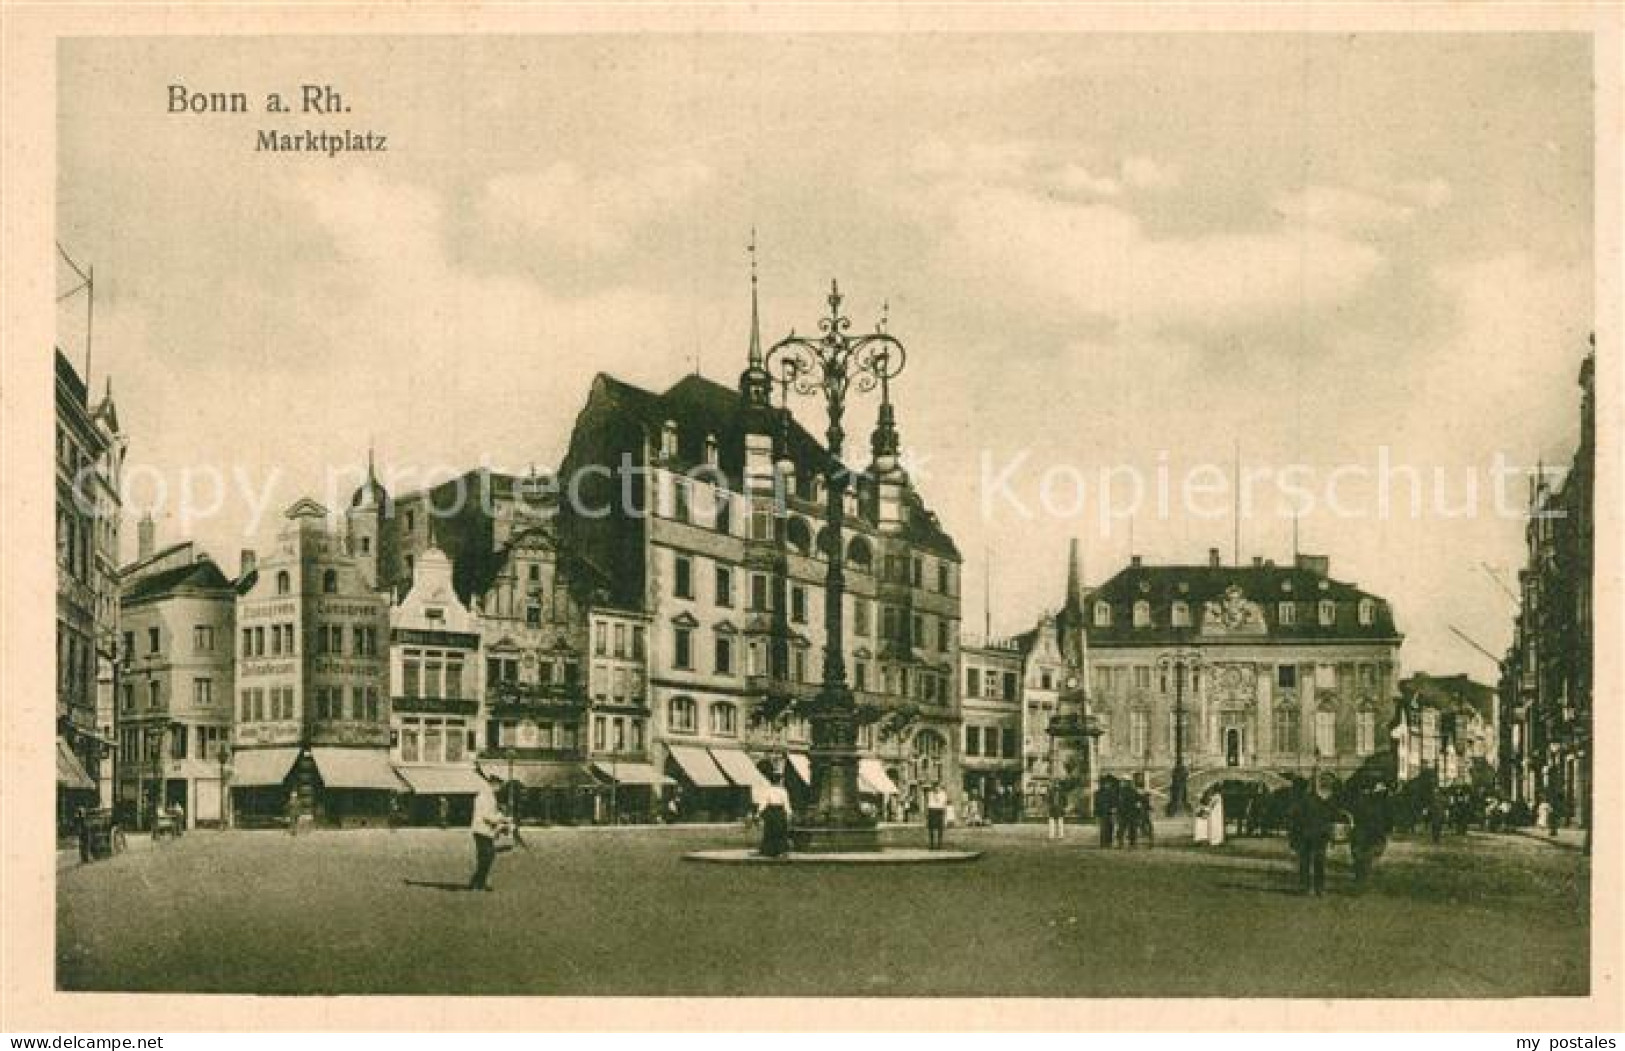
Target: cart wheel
{"type": "Point", "coordinates": [118, 841]}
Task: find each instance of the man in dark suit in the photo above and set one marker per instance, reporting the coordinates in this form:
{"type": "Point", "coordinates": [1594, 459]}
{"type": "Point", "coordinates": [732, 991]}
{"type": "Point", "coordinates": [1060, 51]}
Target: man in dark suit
{"type": "Point", "coordinates": [1106, 809]}
{"type": "Point", "coordinates": [1312, 819]}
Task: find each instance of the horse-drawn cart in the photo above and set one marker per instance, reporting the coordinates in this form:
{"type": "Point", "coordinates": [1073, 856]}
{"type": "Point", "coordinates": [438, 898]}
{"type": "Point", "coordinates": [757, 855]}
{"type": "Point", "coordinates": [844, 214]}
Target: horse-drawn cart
{"type": "Point", "coordinates": [99, 837]}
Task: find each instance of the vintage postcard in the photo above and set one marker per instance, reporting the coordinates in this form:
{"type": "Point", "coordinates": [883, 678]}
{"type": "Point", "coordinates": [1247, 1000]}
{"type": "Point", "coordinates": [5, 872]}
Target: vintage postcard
{"type": "Point", "coordinates": [1057, 514]}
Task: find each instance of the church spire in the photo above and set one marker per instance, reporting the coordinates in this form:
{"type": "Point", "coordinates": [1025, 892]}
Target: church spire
{"type": "Point", "coordinates": [755, 385]}
{"type": "Point", "coordinates": [884, 443]}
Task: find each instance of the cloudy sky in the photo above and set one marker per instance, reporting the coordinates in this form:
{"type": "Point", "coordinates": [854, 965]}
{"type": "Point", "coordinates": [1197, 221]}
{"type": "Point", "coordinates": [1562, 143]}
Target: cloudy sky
{"type": "Point", "coordinates": [1102, 252]}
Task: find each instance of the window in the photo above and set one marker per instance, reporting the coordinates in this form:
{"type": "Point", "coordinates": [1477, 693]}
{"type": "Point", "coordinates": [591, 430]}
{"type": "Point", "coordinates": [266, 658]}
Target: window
{"type": "Point", "coordinates": [973, 740]}
{"type": "Point", "coordinates": [276, 640]}
{"type": "Point", "coordinates": [1009, 736]}
{"type": "Point", "coordinates": [1326, 733]}
{"type": "Point", "coordinates": [637, 642]}
{"type": "Point", "coordinates": [1365, 724]}
{"type": "Point", "coordinates": [917, 571]}
{"type": "Point", "coordinates": [680, 714]}
{"type": "Point", "coordinates": [860, 617]}
{"type": "Point", "coordinates": [1011, 686]}
{"type": "Point", "coordinates": [154, 694]}
{"type": "Point", "coordinates": [1286, 613]}
{"type": "Point", "coordinates": [683, 647]}
{"type": "Point", "coordinates": [1142, 614]}
{"type": "Point", "coordinates": [944, 578]}
{"type": "Point", "coordinates": [724, 655]}
{"type": "Point", "coordinates": [620, 640]}
{"type": "Point", "coordinates": [761, 525]}
{"type": "Point", "coordinates": [454, 678]}
{"type": "Point", "coordinates": [1368, 612]}
{"type": "Point", "coordinates": [1103, 615]}
{"type": "Point", "coordinates": [600, 638]}
{"type": "Point", "coordinates": [533, 614]}
{"type": "Point", "coordinates": [681, 509]}
{"type": "Point", "coordinates": [409, 745]}
{"type": "Point", "coordinates": [798, 603]}
{"type": "Point", "coordinates": [916, 634]}
{"type": "Point", "coordinates": [1328, 613]}
{"type": "Point", "coordinates": [860, 675]}
{"type": "Point", "coordinates": [1139, 732]}
{"type": "Point", "coordinates": [758, 592]}
{"type": "Point", "coordinates": [1286, 676]}
{"type": "Point", "coordinates": [800, 661]}
{"type": "Point", "coordinates": [1142, 676]}
{"type": "Point", "coordinates": [724, 720]}
{"type": "Point", "coordinates": [128, 650]}
{"type": "Point", "coordinates": [203, 693]}
{"type": "Point", "coordinates": [724, 586]}
{"type": "Point", "coordinates": [152, 640]}
{"type": "Point", "coordinates": [203, 638]}
{"type": "Point", "coordinates": [330, 582]}
{"type": "Point", "coordinates": [942, 636]}
{"type": "Point", "coordinates": [373, 704]}
{"type": "Point", "coordinates": [683, 577]}
{"type": "Point", "coordinates": [724, 512]}
{"type": "Point", "coordinates": [973, 682]}
{"type": "Point", "coordinates": [284, 583]}
{"type": "Point", "coordinates": [128, 701]}
{"type": "Point", "coordinates": [1368, 675]}
{"type": "Point", "coordinates": [1182, 615]}
{"type": "Point", "coordinates": [598, 732]}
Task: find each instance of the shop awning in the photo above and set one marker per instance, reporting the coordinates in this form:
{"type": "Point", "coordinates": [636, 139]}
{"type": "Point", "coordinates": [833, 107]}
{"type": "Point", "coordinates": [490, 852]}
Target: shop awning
{"type": "Point", "coordinates": [632, 773]}
{"type": "Point", "coordinates": [70, 773]}
{"type": "Point", "coordinates": [872, 778]}
{"type": "Point", "coordinates": [442, 780]}
{"type": "Point", "coordinates": [540, 775]}
{"type": "Point", "coordinates": [698, 766]}
{"type": "Point", "coordinates": [364, 769]}
{"type": "Point", "coordinates": [739, 768]}
{"type": "Point", "coordinates": [802, 766]}
{"type": "Point", "coordinates": [261, 767]}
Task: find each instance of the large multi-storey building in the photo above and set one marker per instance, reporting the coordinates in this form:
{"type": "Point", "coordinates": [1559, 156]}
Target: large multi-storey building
{"type": "Point", "coordinates": [436, 694]}
{"type": "Point", "coordinates": [1293, 670]}
{"type": "Point", "coordinates": [1446, 728]}
{"type": "Point", "coordinates": [89, 457]}
{"type": "Point", "coordinates": [174, 684]}
{"type": "Point", "coordinates": [620, 715]}
{"type": "Point", "coordinates": [312, 681]}
{"type": "Point", "coordinates": [992, 751]}
{"type": "Point", "coordinates": [1546, 681]}
{"type": "Point", "coordinates": [705, 507]}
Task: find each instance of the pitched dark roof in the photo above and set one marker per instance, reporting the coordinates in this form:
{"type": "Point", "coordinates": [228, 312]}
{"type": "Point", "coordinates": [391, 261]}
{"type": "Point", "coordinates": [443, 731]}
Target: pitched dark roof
{"type": "Point", "coordinates": [202, 574]}
{"type": "Point", "coordinates": [1266, 584]}
{"type": "Point", "coordinates": [701, 407]}
{"type": "Point", "coordinates": [163, 552]}
{"type": "Point", "coordinates": [1448, 693]}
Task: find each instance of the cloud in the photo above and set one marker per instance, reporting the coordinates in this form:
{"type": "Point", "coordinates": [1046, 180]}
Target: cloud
{"type": "Point", "coordinates": [1149, 174]}
{"type": "Point", "coordinates": [1336, 208]}
{"type": "Point", "coordinates": [597, 214]}
{"type": "Point", "coordinates": [1098, 260]}
{"type": "Point", "coordinates": [1077, 178]}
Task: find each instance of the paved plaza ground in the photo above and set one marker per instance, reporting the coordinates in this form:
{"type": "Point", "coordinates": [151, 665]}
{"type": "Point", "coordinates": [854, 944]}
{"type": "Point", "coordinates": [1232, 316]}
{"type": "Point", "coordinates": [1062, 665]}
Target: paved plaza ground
{"type": "Point", "coordinates": [617, 911]}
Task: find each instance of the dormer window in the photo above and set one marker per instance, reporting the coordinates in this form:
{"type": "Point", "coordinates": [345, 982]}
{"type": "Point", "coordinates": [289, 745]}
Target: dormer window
{"type": "Point", "coordinates": [1142, 614]}
{"type": "Point", "coordinates": [668, 440]}
{"type": "Point", "coordinates": [1103, 615]}
{"type": "Point", "coordinates": [1368, 612]}
{"type": "Point", "coordinates": [1328, 613]}
{"type": "Point", "coordinates": [284, 583]}
{"type": "Point", "coordinates": [1182, 615]}
{"type": "Point", "coordinates": [1286, 614]}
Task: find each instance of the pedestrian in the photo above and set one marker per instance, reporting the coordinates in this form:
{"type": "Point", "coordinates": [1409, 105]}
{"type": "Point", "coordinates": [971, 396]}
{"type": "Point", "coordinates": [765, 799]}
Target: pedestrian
{"type": "Point", "coordinates": [1128, 815]}
{"type": "Point", "coordinates": [1146, 812]}
{"type": "Point", "coordinates": [293, 813]}
{"type": "Point", "coordinates": [936, 815]}
{"type": "Point", "coordinates": [488, 822]}
{"type": "Point", "coordinates": [1436, 819]}
{"type": "Point", "coordinates": [775, 815]}
{"type": "Point", "coordinates": [1057, 811]}
{"type": "Point", "coordinates": [1369, 837]}
{"type": "Point", "coordinates": [1106, 808]}
{"type": "Point", "coordinates": [1554, 817]}
{"type": "Point", "coordinates": [1311, 824]}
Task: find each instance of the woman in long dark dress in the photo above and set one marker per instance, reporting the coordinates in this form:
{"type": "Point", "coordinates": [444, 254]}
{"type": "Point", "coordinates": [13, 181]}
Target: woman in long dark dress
{"type": "Point", "coordinates": [775, 819]}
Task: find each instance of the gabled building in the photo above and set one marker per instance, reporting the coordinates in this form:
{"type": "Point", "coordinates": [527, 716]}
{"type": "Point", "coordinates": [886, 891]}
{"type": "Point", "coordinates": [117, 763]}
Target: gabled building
{"type": "Point", "coordinates": [1296, 671]}
{"type": "Point", "coordinates": [174, 685]}
{"type": "Point", "coordinates": [1447, 725]}
{"type": "Point", "coordinates": [705, 507]}
{"type": "Point", "coordinates": [312, 678]}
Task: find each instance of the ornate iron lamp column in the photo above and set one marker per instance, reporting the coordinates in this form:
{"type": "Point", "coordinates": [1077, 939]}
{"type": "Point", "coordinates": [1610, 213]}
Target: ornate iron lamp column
{"type": "Point", "coordinates": [832, 365]}
{"type": "Point", "coordinates": [1179, 663]}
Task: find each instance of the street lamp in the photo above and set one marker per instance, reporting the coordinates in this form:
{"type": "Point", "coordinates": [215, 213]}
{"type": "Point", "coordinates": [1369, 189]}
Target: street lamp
{"type": "Point", "coordinates": [831, 366]}
{"type": "Point", "coordinates": [1179, 663]}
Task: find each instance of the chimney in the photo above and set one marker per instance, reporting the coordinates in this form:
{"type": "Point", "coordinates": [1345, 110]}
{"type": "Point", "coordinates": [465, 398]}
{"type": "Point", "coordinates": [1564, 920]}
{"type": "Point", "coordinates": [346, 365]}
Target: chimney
{"type": "Point", "coordinates": [1134, 560]}
{"type": "Point", "coordinates": [246, 562]}
{"type": "Point", "coordinates": [1213, 557]}
{"type": "Point", "coordinates": [145, 535]}
{"type": "Point", "coordinates": [1319, 565]}
{"type": "Point", "coordinates": [1258, 561]}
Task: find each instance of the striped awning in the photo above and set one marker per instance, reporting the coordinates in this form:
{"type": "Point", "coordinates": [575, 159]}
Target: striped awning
{"type": "Point", "coordinates": [70, 772]}
{"type": "Point", "coordinates": [365, 769]}
{"type": "Point", "coordinates": [739, 768]}
{"type": "Point", "coordinates": [872, 778]}
{"type": "Point", "coordinates": [698, 766]}
{"type": "Point", "coordinates": [631, 773]}
{"type": "Point", "coordinates": [261, 767]}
